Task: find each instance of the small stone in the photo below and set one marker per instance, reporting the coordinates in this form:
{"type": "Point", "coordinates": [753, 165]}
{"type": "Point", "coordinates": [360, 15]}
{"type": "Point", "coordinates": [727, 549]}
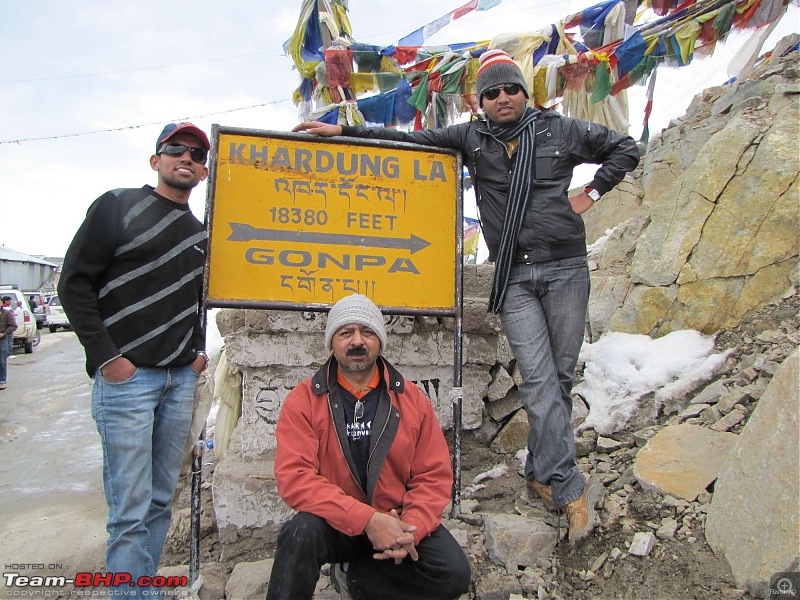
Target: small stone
{"type": "Point", "coordinates": [667, 529]}
{"type": "Point", "coordinates": [584, 446]}
{"type": "Point", "coordinates": [669, 502]}
{"type": "Point", "coordinates": [642, 544]}
{"type": "Point", "coordinates": [729, 421]}
{"type": "Point", "coordinates": [691, 411]}
{"type": "Point", "coordinates": [607, 445]}
{"type": "Point", "coordinates": [770, 368]}
{"type": "Point", "coordinates": [703, 498]}
{"type": "Point", "coordinates": [770, 337]}
{"type": "Point", "coordinates": [471, 519]}
{"type": "Point", "coordinates": [737, 395]}
{"type": "Point", "coordinates": [615, 554]}
{"type": "Point", "coordinates": [748, 375]}
{"type": "Point", "coordinates": [628, 526]}
{"type": "Point", "coordinates": [598, 562]}
{"type": "Point", "coordinates": [711, 415]}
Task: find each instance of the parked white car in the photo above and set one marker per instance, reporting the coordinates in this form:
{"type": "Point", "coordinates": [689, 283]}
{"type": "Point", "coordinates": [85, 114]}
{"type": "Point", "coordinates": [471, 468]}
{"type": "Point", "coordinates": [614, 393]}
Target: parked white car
{"type": "Point", "coordinates": [27, 335]}
{"type": "Point", "coordinates": [55, 316]}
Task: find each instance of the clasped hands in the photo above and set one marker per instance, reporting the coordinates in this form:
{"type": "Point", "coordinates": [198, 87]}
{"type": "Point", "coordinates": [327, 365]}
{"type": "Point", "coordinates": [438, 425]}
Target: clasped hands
{"type": "Point", "coordinates": [391, 537]}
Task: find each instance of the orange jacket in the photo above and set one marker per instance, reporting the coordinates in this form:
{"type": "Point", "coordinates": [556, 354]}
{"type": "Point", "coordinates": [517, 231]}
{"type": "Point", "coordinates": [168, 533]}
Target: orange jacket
{"type": "Point", "coordinates": [409, 466]}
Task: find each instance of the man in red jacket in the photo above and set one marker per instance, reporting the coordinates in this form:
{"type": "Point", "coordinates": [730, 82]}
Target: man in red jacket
{"type": "Point", "coordinates": [362, 458]}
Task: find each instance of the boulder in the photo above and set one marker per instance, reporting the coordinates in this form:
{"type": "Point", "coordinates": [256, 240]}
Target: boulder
{"type": "Point", "coordinates": [754, 520]}
{"type": "Point", "coordinates": [682, 460]}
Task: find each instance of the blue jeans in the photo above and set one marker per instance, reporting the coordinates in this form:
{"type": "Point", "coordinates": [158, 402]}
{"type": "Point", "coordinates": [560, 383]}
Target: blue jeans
{"type": "Point", "coordinates": [5, 351]}
{"type": "Point", "coordinates": [143, 424]}
{"type": "Point", "coordinates": [543, 316]}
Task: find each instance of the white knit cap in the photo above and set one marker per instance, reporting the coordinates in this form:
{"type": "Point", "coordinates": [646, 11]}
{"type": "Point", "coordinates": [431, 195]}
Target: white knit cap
{"type": "Point", "coordinates": [355, 309]}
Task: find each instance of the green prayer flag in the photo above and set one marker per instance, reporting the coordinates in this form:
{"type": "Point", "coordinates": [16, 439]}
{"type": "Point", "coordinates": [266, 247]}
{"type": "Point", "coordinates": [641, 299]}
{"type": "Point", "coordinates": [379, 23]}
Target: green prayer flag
{"type": "Point", "coordinates": [602, 86]}
{"type": "Point", "coordinates": [419, 99]}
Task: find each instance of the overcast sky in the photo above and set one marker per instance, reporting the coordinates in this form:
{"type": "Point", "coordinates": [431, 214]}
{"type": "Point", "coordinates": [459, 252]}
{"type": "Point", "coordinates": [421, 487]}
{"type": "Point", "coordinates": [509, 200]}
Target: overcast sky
{"type": "Point", "coordinates": [87, 85]}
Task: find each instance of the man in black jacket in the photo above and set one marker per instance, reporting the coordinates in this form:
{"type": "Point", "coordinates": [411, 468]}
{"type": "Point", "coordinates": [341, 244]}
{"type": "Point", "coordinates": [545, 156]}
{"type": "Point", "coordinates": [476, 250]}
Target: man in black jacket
{"type": "Point", "coordinates": [131, 285]}
{"type": "Point", "coordinates": [521, 162]}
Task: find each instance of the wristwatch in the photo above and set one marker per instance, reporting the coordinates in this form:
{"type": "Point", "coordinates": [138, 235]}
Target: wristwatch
{"type": "Point", "coordinates": [592, 193]}
{"type": "Point", "coordinates": [205, 358]}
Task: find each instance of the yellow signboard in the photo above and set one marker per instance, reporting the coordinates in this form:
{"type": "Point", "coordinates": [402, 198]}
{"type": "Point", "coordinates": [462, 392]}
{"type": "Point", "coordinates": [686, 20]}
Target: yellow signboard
{"type": "Point", "coordinates": [300, 220]}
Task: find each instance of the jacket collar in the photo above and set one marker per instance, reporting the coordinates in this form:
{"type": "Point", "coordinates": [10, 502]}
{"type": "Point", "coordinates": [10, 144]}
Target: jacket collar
{"type": "Point", "coordinates": [320, 383]}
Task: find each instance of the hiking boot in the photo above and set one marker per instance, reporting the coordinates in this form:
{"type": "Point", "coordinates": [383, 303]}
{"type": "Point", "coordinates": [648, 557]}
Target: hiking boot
{"type": "Point", "coordinates": [580, 513]}
{"type": "Point", "coordinates": [339, 580]}
{"type": "Point", "coordinates": [543, 491]}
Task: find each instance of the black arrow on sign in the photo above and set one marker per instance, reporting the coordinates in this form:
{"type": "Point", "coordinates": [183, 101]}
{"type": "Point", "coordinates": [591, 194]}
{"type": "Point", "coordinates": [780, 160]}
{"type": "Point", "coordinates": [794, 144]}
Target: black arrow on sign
{"type": "Point", "coordinates": [242, 232]}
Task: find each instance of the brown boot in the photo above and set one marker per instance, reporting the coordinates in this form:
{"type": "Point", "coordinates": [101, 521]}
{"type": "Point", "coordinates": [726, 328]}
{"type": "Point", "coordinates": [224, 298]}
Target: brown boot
{"type": "Point", "coordinates": [580, 513]}
{"type": "Point", "coordinates": [543, 491]}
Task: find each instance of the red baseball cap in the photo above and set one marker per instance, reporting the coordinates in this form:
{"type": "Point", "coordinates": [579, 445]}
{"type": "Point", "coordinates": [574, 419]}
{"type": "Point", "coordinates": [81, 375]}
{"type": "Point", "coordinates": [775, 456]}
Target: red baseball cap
{"type": "Point", "coordinates": [174, 128]}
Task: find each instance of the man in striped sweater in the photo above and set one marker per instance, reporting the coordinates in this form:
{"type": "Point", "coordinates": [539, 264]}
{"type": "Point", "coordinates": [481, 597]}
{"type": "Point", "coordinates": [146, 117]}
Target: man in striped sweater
{"type": "Point", "coordinates": [131, 285]}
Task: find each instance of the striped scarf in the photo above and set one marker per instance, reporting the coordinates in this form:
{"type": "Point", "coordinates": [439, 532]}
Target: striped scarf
{"type": "Point", "coordinates": [521, 177]}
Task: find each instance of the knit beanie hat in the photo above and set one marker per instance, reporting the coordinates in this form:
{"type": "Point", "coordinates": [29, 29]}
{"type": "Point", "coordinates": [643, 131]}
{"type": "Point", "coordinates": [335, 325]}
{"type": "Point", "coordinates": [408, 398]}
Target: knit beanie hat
{"type": "Point", "coordinates": [355, 309]}
{"type": "Point", "coordinates": [496, 68]}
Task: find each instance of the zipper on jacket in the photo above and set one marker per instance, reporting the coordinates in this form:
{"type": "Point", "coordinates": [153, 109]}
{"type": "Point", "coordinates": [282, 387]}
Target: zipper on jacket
{"type": "Point", "coordinates": [383, 430]}
{"type": "Point", "coordinates": [355, 479]}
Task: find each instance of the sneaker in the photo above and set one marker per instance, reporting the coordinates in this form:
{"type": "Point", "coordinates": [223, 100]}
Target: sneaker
{"type": "Point", "coordinates": [3, 385]}
{"type": "Point", "coordinates": [581, 517]}
{"type": "Point", "coordinates": [339, 580]}
{"type": "Point", "coordinates": [543, 491]}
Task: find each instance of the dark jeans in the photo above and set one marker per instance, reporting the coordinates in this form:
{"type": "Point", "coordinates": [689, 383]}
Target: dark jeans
{"type": "Point", "coordinates": [307, 542]}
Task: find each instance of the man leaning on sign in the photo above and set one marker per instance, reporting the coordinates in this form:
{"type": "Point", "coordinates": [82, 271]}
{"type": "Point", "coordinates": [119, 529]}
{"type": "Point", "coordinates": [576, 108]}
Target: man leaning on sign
{"type": "Point", "coordinates": [521, 162]}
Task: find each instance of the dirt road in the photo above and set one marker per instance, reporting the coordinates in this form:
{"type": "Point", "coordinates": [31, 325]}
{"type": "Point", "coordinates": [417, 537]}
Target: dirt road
{"type": "Point", "coordinates": [51, 490]}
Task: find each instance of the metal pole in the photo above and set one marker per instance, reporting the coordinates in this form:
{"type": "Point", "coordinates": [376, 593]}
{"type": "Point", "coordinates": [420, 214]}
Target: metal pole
{"type": "Point", "coordinates": [458, 392]}
{"type": "Point", "coordinates": [199, 445]}
{"type": "Point", "coordinates": [197, 480]}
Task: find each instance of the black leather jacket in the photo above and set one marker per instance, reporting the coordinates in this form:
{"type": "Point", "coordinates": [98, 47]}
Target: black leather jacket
{"type": "Point", "coordinates": [550, 228]}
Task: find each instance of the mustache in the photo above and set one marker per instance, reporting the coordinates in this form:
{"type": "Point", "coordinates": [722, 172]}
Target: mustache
{"type": "Point", "coordinates": [358, 351]}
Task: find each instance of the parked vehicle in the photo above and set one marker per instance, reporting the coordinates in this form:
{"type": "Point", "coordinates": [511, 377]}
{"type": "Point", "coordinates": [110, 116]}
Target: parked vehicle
{"type": "Point", "coordinates": [37, 303]}
{"type": "Point", "coordinates": [27, 335]}
{"type": "Point", "coordinates": [55, 316]}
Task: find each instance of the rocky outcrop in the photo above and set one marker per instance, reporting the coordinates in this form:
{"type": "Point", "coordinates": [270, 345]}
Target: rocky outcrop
{"type": "Point", "coordinates": [754, 519]}
{"type": "Point", "coordinates": [716, 234]}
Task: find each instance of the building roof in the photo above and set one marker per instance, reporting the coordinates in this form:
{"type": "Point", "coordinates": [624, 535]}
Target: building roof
{"type": "Point", "coordinates": [8, 254]}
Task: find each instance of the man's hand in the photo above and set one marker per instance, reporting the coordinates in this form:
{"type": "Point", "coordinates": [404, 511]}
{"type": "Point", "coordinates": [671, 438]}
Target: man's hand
{"type": "Point", "coordinates": [581, 203]}
{"type": "Point", "coordinates": [317, 128]}
{"type": "Point", "coordinates": [118, 369]}
{"type": "Point", "coordinates": [384, 527]}
{"type": "Point", "coordinates": [199, 364]}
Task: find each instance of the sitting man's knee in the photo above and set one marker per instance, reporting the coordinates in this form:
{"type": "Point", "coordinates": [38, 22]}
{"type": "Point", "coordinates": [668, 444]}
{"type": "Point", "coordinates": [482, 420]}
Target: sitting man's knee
{"type": "Point", "coordinates": [302, 527]}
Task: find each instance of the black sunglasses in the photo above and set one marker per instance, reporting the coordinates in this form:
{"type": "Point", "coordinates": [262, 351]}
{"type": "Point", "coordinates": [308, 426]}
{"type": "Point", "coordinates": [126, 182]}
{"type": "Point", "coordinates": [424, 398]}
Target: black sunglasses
{"type": "Point", "coordinates": [198, 154]}
{"type": "Point", "coordinates": [511, 89]}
